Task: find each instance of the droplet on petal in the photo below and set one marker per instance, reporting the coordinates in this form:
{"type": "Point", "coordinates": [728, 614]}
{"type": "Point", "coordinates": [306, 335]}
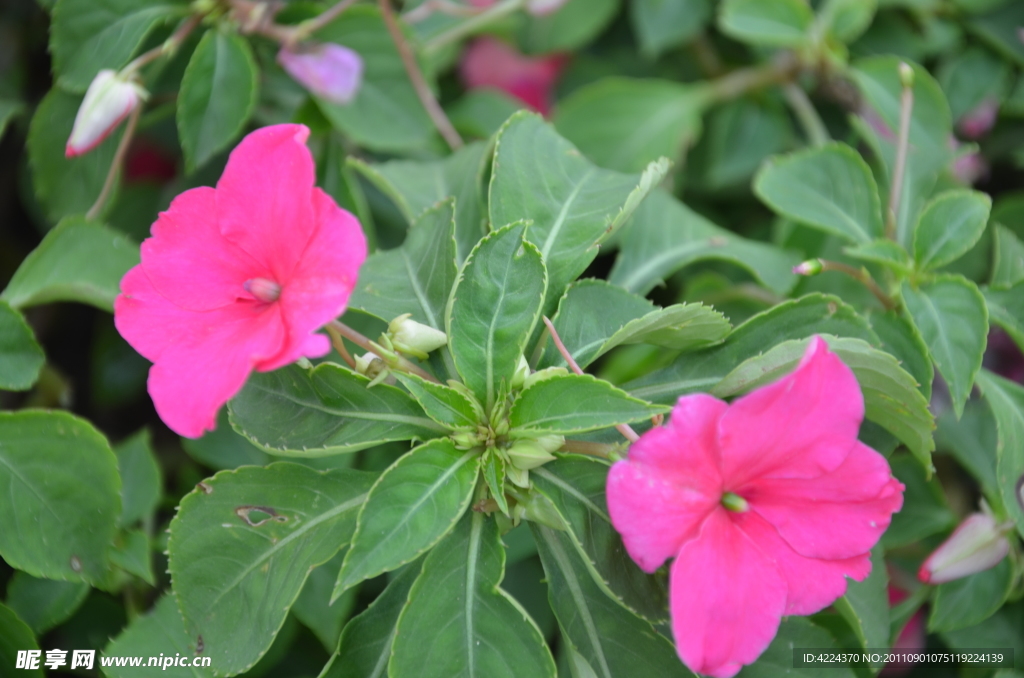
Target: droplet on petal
{"type": "Point", "coordinates": [332, 72]}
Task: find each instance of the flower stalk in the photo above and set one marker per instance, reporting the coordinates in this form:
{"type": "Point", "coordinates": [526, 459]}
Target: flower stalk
{"type": "Point", "coordinates": [391, 359]}
{"type": "Point", "coordinates": [115, 166]}
{"type": "Point", "coordinates": [902, 148]}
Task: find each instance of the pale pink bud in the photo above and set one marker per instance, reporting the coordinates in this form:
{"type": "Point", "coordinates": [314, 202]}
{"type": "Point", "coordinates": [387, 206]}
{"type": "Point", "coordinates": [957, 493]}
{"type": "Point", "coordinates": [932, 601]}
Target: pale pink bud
{"type": "Point", "coordinates": [808, 268]}
{"type": "Point", "coordinates": [109, 100]}
{"type": "Point", "coordinates": [979, 120]}
{"type": "Point", "coordinates": [977, 544]}
{"type": "Point", "coordinates": [331, 72]}
{"type": "Point", "coordinates": [544, 7]}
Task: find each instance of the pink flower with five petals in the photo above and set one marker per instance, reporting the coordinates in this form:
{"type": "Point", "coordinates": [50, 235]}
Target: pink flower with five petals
{"type": "Point", "coordinates": [767, 505]}
{"type": "Point", "coordinates": [239, 277]}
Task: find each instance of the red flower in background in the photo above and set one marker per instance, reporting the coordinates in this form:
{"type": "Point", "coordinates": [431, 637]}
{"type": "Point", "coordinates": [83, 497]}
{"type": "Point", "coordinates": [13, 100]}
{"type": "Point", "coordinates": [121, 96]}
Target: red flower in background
{"type": "Point", "coordinates": [491, 63]}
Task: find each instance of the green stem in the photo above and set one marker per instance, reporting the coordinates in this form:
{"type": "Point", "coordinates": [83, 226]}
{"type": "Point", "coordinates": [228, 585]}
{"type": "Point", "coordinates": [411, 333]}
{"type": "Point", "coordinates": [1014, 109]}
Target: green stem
{"type": "Point", "coordinates": [863, 277]}
{"type": "Point", "coordinates": [393, 360]}
{"type": "Point", "coordinates": [806, 114]}
{"type": "Point", "coordinates": [115, 165]}
{"type": "Point", "coordinates": [780, 69]}
{"type": "Point", "coordinates": [902, 148]}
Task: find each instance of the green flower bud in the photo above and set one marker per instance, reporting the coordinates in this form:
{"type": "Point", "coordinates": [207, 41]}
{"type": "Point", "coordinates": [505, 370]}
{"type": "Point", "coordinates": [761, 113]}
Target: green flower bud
{"type": "Point", "coordinates": [522, 372]}
{"type": "Point", "coordinates": [527, 454]}
{"type": "Point", "coordinates": [541, 375]}
{"type": "Point", "coordinates": [539, 509]}
{"type": "Point", "coordinates": [369, 365]}
{"type": "Point", "coordinates": [520, 477]}
{"type": "Point", "coordinates": [416, 338]}
{"type": "Point", "coordinates": [465, 440]}
{"type": "Point", "coordinates": [551, 443]}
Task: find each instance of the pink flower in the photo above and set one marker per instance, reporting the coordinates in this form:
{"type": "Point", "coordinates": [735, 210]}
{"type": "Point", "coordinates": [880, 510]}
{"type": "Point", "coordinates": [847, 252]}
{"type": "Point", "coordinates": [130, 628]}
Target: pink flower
{"type": "Point", "coordinates": [767, 505]}
{"type": "Point", "coordinates": [108, 101]}
{"type": "Point", "coordinates": [977, 544]}
{"type": "Point", "coordinates": [331, 72]}
{"type": "Point", "coordinates": [239, 277]}
{"type": "Point", "coordinates": [491, 63]}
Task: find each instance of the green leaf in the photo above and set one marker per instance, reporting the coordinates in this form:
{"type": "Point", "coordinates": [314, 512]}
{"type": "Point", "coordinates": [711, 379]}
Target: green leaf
{"type": "Point", "coordinates": [417, 186]}
{"type": "Point", "coordinates": [79, 260]}
{"type": "Point", "coordinates": [458, 623]}
{"type": "Point", "coordinates": [662, 24]}
{"type": "Point", "coordinates": [15, 636]}
{"type": "Point", "coordinates": [160, 631]}
{"type": "Point", "coordinates": [972, 599]}
{"type": "Point", "coordinates": [1007, 402]}
{"type": "Point", "coordinates": [411, 507]}
{"type": "Point", "coordinates": [61, 495]}
{"type": "Point", "coordinates": [972, 77]}
{"type": "Point", "coordinates": [1006, 309]}
{"type": "Point", "coordinates": [681, 327]}
{"type": "Point", "coordinates": [386, 114]}
{"type": "Point", "coordinates": [574, 206]}
{"type": "Point", "coordinates": [972, 441]}
{"type": "Point", "coordinates": [576, 487]}
{"type": "Point", "coordinates": [952, 317]}
{"type": "Point", "coordinates": [640, 121]}
{"type": "Point", "coordinates": [218, 93]}
{"type": "Point", "coordinates": [494, 475]}
{"type": "Point", "coordinates": [324, 411]}
{"type": "Point", "coordinates": [415, 278]}
{"type": "Point", "coordinates": [573, 403]}
{"type": "Point", "coordinates": [21, 357]}
{"type": "Point", "coordinates": [493, 309]}
{"type": "Point", "coordinates": [480, 113]}
{"type": "Point", "coordinates": [949, 227]}
{"type": "Point", "coordinates": [132, 553]}
{"type": "Point", "coordinates": [924, 511]}
{"type": "Point", "coordinates": [572, 26]}
{"type": "Point", "coordinates": [1008, 258]}
{"type": "Point", "coordinates": [9, 110]}
{"type": "Point", "coordinates": [242, 544]}
{"type": "Point", "coordinates": [795, 319]}
{"type": "Point", "coordinates": [609, 638]}
{"type": "Point", "coordinates": [65, 186]}
{"type": "Point", "coordinates": [140, 478]}
{"type": "Point", "coordinates": [779, 660]}
{"type": "Point", "coordinates": [829, 187]}
{"type": "Point", "coordinates": [774, 23]}
{"type": "Point", "coordinates": [900, 338]}
{"type": "Point", "coordinates": [665, 236]}
{"type": "Point", "coordinates": [884, 252]}
{"type": "Point", "coordinates": [891, 398]}
{"type": "Point", "coordinates": [89, 35]}
{"type": "Point", "coordinates": [443, 404]}
{"type": "Point", "coordinates": [365, 645]}
{"type": "Point", "coordinates": [584, 332]}
{"type": "Point", "coordinates": [846, 20]}
{"type": "Point", "coordinates": [865, 607]}
{"type": "Point", "coordinates": [314, 608]}
{"type": "Point", "coordinates": [44, 603]}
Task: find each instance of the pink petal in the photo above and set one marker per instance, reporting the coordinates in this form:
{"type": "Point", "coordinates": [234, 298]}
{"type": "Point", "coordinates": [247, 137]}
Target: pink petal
{"type": "Point", "coordinates": [202, 358]}
{"type": "Point", "coordinates": [319, 287]}
{"type": "Point", "coordinates": [799, 426]}
{"type": "Point", "coordinates": [329, 71]}
{"type": "Point", "coordinates": [661, 493]}
{"type": "Point", "coordinates": [188, 260]}
{"type": "Point", "coordinates": [839, 514]}
{"type": "Point", "coordinates": [264, 197]}
{"type": "Point", "coordinates": [726, 598]}
{"type": "Point", "coordinates": [812, 584]}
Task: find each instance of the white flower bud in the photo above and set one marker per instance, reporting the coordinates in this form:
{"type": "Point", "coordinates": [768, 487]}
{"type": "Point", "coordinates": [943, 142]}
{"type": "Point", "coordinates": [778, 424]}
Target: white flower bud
{"type": "Point", "coordinates": [416, 338]}
{"type": "Point", "coordinates": [109, 100]}
{"type": "Point", "coordinates": [977, 544]}
{"type": "Point", "coordinates": [527, 454]}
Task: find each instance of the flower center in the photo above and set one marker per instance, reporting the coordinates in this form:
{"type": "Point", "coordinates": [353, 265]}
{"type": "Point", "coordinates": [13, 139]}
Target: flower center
{"type": "Point", "coordinates": [263, 289]}
{"type": "Point", "coordinates": [735, 502]}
